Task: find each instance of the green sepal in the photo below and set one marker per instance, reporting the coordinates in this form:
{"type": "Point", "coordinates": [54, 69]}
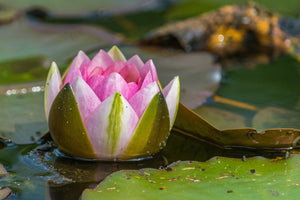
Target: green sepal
{"type": "Point", "coordinates": [152, 130]}
{"type": "Point", "coordinates": [66, 126]}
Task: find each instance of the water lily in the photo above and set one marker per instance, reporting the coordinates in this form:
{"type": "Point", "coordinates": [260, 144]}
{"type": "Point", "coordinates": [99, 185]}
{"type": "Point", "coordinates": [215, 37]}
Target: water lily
{"type": "Point", "coordinates": [110, 108]}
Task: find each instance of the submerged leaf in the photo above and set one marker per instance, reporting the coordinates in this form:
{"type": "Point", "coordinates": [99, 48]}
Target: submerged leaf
{"type": "Point", "coordinates": [257, 178]}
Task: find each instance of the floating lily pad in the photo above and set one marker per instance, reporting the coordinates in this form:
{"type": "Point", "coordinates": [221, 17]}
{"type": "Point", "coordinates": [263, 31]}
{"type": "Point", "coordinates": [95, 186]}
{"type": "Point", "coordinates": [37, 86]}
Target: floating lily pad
{"type": "Point", "coordinates": [230, 178]}
{"type": "Point", "coordinates": [221, 118]}
{"type": "Point", "coordinates": [22, 117]}
{"type": "Point", "coordinates": [64, 7]}
{"type": "Point", "coordinates": [249, 92]}
{"type": "Point", "coordinates": [56, 42]}
{"type": "Point", "coordinates": [190, 123]}
{"type": "Point", "coordinates": [23, 70]}
{"type": "Point", "coordinates": [272, 117]}
{"type": "Point", "coordinates": [274, 84]}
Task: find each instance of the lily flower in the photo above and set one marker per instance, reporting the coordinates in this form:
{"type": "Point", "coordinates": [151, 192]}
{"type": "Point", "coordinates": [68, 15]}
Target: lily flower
{"type": "Point", "coordinates": [110, 108]}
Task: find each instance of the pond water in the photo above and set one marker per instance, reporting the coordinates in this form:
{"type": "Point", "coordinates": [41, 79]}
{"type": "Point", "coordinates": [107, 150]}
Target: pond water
{"type": "Point", "coordinates": [262, 95]}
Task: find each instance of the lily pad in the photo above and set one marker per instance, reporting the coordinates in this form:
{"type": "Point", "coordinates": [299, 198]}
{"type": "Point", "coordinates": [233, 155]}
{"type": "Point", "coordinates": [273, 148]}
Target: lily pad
{"type": "Point", "coordinates": [221, 118]}
{"type": "Point", "coordinates": [56, 42]}
{"type": "Point", "coordinates": [273, 84]}
{"type": "Point", "coordinates": [231, 179]}
{"type": "Point", "coordinates": [272, 117]}
{"type": "Point", "coordinates": [190, 123]}
{"type": "Point", "coordinates": [249, 93]}
{"type": "Point", "coordinates": [22, 117]}
{"type": "Point", "coordinates": [23, 70]}
{"type": "Point", "coordinates": [64, 7]}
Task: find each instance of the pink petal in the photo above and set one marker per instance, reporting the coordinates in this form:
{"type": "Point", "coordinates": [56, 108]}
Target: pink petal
{"type": "Point", "coordinates": [108, 142]}
{"type": "Point", "coordinates": [116, 67]}
{"type": "Point", "coordinates": [96, 70]}
{"type": "Point", "coordinates": [130, 73]}
{"type": "Point", "coordinates": [133, 88]}
{"type": "Point", "coordinates": [148, 79]}
{"type": "Point", "coordinates": [94, 81]}
{"type": "Point", "coordinates": [83, 69]}
{"type": "Point", "coordinates": [112, 84]}
{"type": "Point", "coordinates": [171, 93]}
{"type": "Point", "coordinates": [136, 60]}
{"type": "Point", "coordinates": [52, 87]}
{"type": "Point", "coordinates": [72, 74]}
{"type": "Point", "coordinates": [143, 97]}
{"type": "Point", "coordinates": [149, 67]}
{"type": "Point", "coordinates": [74, 70]}
{"type": "Point", "coordinates": [86, 99]}
{"type": "Point", "coordinates": [101, 59]}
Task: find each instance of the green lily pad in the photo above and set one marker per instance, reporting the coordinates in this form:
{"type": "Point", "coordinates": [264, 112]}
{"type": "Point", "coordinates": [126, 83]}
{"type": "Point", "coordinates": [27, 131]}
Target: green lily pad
{"type": "Point", "coordinates": [272, 117]}
{"type": "Point", "coordinates": [248, 93]}
{"type": "Point", "coordinates": [64, 7]}
{"type": "Point", "coordinates": [219, 178]}
{"type": "Point", "coordinates": [221, 118]}
{"type": "Point", "coordinates": [22, 117]}
{"type": "Point", "coordinates": [23, 70]}
{"type": "Point", "coordinates": [56, 42]}
{"type": "Point", "coordinates": [274, 84]}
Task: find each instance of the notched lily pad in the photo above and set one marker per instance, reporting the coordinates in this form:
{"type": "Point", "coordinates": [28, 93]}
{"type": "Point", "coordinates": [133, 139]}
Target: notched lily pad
{"type": "Point", "coordinates": [190, 123]}
{"type": "Point", "coordinates": [231, 179]}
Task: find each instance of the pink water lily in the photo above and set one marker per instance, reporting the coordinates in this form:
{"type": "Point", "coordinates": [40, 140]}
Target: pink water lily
{"type": "Point", "coordinates": [109, 107]}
